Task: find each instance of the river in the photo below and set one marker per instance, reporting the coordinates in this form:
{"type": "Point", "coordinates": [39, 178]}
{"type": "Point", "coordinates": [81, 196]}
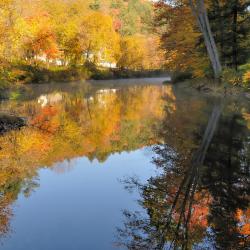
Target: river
{"type": "Point", "coordinates": [125, 164]}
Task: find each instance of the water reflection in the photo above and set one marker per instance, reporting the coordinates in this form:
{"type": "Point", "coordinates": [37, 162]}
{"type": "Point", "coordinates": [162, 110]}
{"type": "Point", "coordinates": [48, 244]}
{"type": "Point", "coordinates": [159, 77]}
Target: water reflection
{"type": "Point", "coordinates": [93, 122]}
{"type": "Point", "coordinates": [200, 199]}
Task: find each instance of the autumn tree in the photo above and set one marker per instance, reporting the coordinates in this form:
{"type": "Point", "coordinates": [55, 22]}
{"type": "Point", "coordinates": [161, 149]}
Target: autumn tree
{"type": "Point", "coordinates": [101, 37]}
{"type": "Point", "coordinates": [70, 14]}
{"type": "Point", "coordinates": [133, 53]}
{"type": "Point", "coordinates": [180, 39]}
{"type": "Point", "coordinates": [11, 31]}
{"type": "Point", "coordinates": [41, 40]}
{"type": "Point", "coordinates": [69, 33]}
{"type": "Point", "coordinates": [195, 17]}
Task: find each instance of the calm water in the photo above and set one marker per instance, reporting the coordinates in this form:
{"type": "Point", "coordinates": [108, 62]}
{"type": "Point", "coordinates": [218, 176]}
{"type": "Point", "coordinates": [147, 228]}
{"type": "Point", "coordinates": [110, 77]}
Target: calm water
{"type": "Point", "coordinates": [127, 164]}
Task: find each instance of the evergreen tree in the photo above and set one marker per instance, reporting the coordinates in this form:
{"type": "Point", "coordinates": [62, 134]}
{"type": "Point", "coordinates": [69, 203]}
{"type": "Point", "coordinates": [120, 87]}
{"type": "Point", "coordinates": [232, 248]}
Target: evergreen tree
{"type": "Point", "coordinates": [231, 26]}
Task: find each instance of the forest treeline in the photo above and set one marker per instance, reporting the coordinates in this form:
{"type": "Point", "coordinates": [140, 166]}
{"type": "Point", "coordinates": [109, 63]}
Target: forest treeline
{"type": "Point", "coordinates": [45, 40]}
{"type": "Point", "coordinates": [45, 37]}
{"type": "Point", "coordinates": [184, 40]}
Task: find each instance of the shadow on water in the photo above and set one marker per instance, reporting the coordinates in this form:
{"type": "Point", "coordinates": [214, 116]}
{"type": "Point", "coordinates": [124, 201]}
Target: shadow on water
{"type": "Point", "coordinates": [200, 198]}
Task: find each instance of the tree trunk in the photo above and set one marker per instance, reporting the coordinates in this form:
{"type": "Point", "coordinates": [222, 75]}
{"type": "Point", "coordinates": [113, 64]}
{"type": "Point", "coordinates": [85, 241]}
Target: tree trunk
{"type": "Point", "coordinates": [235, 22]}
{"type": "Point", "coordinates": [221, 24]}
{"type": "Point", "coordinates": [199, 11]}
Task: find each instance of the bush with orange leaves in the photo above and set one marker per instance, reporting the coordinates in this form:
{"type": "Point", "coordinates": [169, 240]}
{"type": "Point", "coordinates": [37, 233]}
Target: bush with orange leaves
{"type": "Point", "coordinates": [46, 120]}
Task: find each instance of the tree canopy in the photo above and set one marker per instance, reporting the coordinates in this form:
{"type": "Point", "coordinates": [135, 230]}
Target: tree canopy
{"type": "Point", "coordinates": [71, 32]}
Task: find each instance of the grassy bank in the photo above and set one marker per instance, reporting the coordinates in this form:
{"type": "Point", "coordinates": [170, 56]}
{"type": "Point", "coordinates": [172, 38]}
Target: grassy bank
{"type": "Point", "coordinates": [210, 86]}
{"type": "Point", "coordinates": [231, 81]}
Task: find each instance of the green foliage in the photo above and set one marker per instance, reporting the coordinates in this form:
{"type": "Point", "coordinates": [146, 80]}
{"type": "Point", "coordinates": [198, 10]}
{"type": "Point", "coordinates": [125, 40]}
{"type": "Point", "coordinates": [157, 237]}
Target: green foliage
{"type": "Point", "coordinates": [4, 85]}
{"type": "Point", "coordinates": [231, 26]}
{"type": "Point", "coordinates": [245, 67]}
{"type": "Point", "coordinates": [14, 95]}
{"type": "Point", "coordinates": [95, 5]}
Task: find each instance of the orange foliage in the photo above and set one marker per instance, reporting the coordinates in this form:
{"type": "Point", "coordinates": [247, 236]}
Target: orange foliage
{"type": "Point", "coordinates": [200, 211]}
{"type": "Point", "coordinates": [43, 38]}
{"type": "Point", "coordinates": [45, 121]}
{"type": "Point", "coordinates": [244, 221]}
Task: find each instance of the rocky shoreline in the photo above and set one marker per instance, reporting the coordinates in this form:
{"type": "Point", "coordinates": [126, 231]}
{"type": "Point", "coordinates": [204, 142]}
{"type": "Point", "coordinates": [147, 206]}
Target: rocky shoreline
{"type": "Point", "coordinates": [11, 122]}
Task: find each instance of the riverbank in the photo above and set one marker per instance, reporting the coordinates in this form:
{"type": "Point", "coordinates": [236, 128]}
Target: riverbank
{"type": "Point", "coordinates": [65, 76]}
{"type": "Point", "coordinates": [197, 87]}
{"type": "Point", "coordinates": [212, 87]}
{"type": "Point", "coordinates": [26, 74]}
{"type": "Point", "coordinates": [231, 81]}
{"type": "Point", "coordinates": [14, 78]}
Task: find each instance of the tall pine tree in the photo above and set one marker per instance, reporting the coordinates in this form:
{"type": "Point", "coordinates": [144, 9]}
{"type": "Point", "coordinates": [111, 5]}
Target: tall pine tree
{"type": "Point", "coordinates": [230, 22]}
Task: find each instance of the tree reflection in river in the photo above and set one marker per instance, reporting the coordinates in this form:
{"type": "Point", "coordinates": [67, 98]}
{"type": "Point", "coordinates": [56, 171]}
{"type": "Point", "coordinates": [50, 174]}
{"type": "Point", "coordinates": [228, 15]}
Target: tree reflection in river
{"type": "Point", "coordinates": [66, 125]}
{"type": "Point", "coordinates": [226, 177]}
{"type": "Point", "coordinates": [200, 200]}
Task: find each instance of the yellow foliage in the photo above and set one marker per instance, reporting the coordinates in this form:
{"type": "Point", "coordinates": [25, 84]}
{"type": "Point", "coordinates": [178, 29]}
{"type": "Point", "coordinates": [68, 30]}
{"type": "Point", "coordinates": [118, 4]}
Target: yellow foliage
{"type": "Point", "coordinates": [247, 118]}
{"type": "Point", "coordinates": [133, 52]}
{"type": "Point", "coordinates": [246, 79]}
{"type": "Point", "coordinates": [56, 133]}
{"type": "Point", "coordinates": [180, 40]}
{"type": "Point", "coordinates": [100, 36]}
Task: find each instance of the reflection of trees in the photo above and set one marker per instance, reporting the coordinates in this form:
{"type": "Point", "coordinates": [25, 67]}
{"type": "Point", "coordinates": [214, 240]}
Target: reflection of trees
{"type": "Point", "coordinates": [202, 184]}
{"type": "Point", "coordinates": [9, 192]}
{"type": "Point", "coordinates": [110, 121]}
{"type": "Point", "coordinates": [184, 199]}
{"type": "Point", "coordinates": [120, 120]}
{"type": "Point", "coordinates": [227, 179]}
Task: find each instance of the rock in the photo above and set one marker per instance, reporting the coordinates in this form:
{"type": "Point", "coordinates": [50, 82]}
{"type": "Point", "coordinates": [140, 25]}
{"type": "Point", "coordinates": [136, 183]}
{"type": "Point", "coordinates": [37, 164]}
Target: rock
{"type": "Point", "coordinates": [11, 122]}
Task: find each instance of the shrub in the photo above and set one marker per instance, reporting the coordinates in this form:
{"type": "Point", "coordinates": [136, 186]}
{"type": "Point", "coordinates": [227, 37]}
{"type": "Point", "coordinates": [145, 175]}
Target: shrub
{"type": "Point", "coordinates": [17, 75]}
{"type": "Point", "coordinates": [181, 76]}
{"type": "Point", "coordinates": [102, 75]}
{"type": "Point", "coordinates": [244, 68]}
{"type": "Point", "coordinates": [3, 86]}
{"type": "Point", "coordinates": [14, 95]}
{"type": "Point", "coordinates": [40, 74]}
{"type": "Point", "coordinates": [232, 77]}
{"type": "Point", "coordinates": [246, 79]}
